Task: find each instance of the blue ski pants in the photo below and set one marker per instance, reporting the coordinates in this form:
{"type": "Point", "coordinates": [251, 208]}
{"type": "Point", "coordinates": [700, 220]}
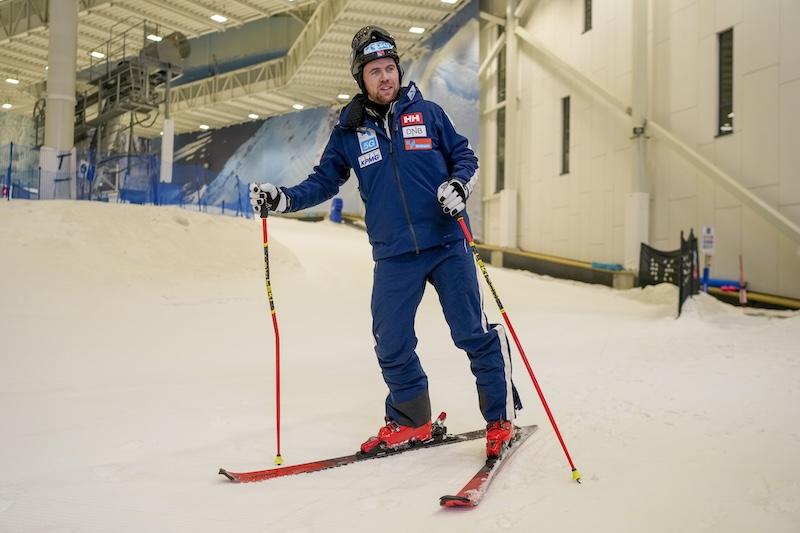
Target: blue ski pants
{"type": "Point", "coordinates": [398, 285]}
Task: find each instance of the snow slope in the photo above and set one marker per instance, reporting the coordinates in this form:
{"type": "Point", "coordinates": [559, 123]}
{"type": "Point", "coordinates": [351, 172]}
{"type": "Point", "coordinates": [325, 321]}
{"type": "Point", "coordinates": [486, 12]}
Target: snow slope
{"type": "Point", "coordinates": [137, 359]}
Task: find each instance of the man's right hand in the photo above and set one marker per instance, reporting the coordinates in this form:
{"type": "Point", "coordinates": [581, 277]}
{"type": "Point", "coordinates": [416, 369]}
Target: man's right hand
{"type": "Point", "coordinates": [267, 193]}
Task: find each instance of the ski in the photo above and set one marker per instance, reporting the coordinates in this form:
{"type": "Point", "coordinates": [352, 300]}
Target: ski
{"type": "Point", "coordinates": [439, 437]}
{"type": "Point", "coordinates": [472, 493]}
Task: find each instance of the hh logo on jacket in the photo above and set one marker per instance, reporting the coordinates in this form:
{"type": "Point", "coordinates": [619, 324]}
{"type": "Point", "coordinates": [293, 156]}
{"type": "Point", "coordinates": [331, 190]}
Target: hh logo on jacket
{"type": "Point", "coordinates": [411, 119]}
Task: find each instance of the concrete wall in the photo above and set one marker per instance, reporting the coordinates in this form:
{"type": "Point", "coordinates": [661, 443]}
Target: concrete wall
{"type": "Point", "coordinates": [581, 215]}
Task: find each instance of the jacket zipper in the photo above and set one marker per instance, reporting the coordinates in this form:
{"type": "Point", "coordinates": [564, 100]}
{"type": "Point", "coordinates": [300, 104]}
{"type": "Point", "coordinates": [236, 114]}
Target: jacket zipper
{"type": "Point", "coordinates": [397, 175]}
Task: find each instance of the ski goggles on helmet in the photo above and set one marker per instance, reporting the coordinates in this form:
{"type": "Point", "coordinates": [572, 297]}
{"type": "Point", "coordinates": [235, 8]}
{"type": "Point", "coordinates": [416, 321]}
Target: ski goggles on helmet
{"type": "Point", "coordinates": [370, 43]}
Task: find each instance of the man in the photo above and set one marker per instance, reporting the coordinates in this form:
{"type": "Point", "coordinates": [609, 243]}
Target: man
{"type": "Point", "coordinates": [415, 173]}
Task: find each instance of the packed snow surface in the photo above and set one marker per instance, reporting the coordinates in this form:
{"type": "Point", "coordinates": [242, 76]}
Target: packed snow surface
{"type": "Point", "coordinates": [138, 358]}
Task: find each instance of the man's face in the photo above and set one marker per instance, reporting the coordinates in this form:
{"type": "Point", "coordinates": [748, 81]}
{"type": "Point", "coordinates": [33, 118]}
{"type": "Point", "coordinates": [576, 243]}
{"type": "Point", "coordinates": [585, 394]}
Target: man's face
{"type": "Point", "coordinates": [382, 80]}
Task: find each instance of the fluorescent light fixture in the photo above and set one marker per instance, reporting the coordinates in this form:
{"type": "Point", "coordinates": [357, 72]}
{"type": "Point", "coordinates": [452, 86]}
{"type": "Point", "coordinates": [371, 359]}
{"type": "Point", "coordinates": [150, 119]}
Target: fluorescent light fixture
{"type": "Point", "coordinates": [12, 81]}
{"type": "Point", "coordinates": [97, 55]}
{"type": "Point", "coordinates": [154, 37]}
{"type": "Point", "coordinates": [218, 18]}
{"type": "Point", "coordinates": [161, 133]}
{"type": "Point", "coordinates": [298, 106]}
{"type": "Point", "coordinates": [416, 29]}
{"type": "Point", "coordinates": [7, 106]}
{"type": "Point", "coordinates": [344, 96]}
{"type": "Point", "coordinates": [252, 116]}
{"type": "Point", "coordinates": [204, 127]}
{"type": "Point", "coordinates": [449, 1]}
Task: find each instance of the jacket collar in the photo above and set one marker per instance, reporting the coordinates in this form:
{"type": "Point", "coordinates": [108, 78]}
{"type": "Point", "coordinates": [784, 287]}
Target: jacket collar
{"type": "Point", "coordinates": [405, 97]}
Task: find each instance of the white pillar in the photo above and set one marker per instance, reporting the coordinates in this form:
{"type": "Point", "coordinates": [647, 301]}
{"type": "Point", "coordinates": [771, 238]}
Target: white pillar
{"type": "Point", "coordinates": [512, 157]}
{"type": "Point", "coordinates": [637, 219]}
{"type": "Point", "coordinates": [57, 156]}
{"type": "Point", "coordinates": [167, 143]}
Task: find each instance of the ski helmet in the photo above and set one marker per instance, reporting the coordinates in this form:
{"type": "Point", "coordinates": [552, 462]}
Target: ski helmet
{"type": "Point", "coordinates": [371, 43]}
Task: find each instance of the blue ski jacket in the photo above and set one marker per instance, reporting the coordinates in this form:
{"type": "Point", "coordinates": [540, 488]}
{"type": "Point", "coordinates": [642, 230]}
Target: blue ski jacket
{"type": "Point", "coordinates": [400, 162]}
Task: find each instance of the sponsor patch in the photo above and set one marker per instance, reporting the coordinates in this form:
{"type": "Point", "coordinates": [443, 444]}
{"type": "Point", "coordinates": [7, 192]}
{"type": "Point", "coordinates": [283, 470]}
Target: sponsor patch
{"type": "Point", "coordinates": [415, 131]}
{"type": "Point", "coordinates": [411, 119]}
{"type": "Point", "coordinates": [376, 47]}
{"type": "Point", "coordinates": [367, 140]}
{"type": "Point", "coordinates": [369, 158]}
{"type": "Point", "coordinates": [412, 91]}
{"type": "Point", "coordinates": [418, 144]}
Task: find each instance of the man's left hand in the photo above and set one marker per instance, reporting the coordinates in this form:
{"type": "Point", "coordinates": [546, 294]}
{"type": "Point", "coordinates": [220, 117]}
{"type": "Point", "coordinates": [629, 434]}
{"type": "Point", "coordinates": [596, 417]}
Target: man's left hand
{"type": "Point", "coordinates": [452, 196]}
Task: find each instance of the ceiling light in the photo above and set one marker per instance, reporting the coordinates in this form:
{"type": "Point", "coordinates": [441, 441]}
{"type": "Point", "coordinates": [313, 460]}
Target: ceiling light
{"type": "Point", "coordinates": [416, 29]}
{"type": "Point", "coordinates": [161, 133]}
{"type": "Point", "coordinates": [204, 127]}
{"type": "Point", "coordinates": [218, 18]}
{"type": "Point", "coordinates": [449, 1]}
{"type": "Point", "coordinates": [12, 81]}
{"type": "Point", "coordinates": [7, 106]}
{"type": "Point", "coordinates": [154, 37]}
{"type": "Point", "coordinates": [298, 106]}
{"type": "Point", "coordinates": [344, 96]}
{"type": "Point", "coordinates": [252, 116]}
{"type": "Point", "coordinates": [96, 54]}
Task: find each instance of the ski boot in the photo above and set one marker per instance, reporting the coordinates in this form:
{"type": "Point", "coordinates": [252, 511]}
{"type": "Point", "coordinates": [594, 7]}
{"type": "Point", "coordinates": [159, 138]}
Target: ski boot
{"type": "Point", "coordinates": [498, 437]}
{"type": "Point", "coordinates": [394, 436]}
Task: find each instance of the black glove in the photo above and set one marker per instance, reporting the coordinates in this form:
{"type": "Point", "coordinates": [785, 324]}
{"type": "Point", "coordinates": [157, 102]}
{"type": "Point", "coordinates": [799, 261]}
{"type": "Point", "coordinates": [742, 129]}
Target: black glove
{"type": "Point", "coordinates": [453, 196]}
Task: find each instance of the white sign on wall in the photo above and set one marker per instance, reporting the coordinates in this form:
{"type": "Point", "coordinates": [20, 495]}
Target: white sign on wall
{"type": "Point", "coordinates": [707, 240]}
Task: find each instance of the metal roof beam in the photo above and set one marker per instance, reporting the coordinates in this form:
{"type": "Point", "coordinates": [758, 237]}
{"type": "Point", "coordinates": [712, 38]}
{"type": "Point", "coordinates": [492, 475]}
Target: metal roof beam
{"type": "Point", "coordinates": [21, 17]}
{"type": "Point", "coordinates": [236, 20]}
{"type": "Point", "coordinates": [159, 20]}
{"type": "Point", "coordinates": [185, 14]}
{"type": "Point", "coordinates": [269, 106]}
{"type": "Point", "coordinates": [249, 5]}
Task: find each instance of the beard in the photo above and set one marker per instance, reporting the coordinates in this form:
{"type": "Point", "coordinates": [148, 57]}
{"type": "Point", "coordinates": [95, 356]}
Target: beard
{"type": "Point", "coordinates": [383, 98]}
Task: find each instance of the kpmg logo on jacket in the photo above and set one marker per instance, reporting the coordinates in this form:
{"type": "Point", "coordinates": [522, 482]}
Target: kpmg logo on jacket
{"type": "Point", "coordinates": [411, 119]}
{"type": "Point", "coordinates": [369, 158]}
{"type": "Point", "coordinates": [418, 144]}
{"type": "Point", "coordinates": [367, 140]}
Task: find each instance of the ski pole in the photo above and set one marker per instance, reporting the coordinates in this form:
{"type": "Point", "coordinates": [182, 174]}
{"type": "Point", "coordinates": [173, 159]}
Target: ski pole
{"type": "Point", "coordinates": [575, 474]}
{"type": "Point", "coordinates": [264, 213]}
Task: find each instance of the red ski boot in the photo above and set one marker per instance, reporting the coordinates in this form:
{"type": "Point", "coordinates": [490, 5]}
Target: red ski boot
{"type": "Point", "coordinates": [393, 435]}
{"type": "Point", "coordinates": [498, 438]}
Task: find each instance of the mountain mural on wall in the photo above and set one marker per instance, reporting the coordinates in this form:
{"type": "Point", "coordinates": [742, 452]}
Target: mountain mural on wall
{"type": "Point", "coordinates": [284, 149]}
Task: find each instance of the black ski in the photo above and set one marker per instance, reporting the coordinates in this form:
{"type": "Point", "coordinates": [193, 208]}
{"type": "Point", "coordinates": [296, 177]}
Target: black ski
{"type": "Point", "coordinates": [472, 493]}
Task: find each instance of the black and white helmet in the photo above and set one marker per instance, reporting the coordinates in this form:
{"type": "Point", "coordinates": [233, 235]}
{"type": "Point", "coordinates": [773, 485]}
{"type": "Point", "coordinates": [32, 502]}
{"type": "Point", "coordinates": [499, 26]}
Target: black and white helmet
{"type": "Point", "coordinates": [371, 43]}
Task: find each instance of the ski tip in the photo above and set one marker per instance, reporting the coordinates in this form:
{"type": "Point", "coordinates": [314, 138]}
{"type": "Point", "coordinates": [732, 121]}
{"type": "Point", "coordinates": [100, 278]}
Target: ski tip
{"type": "Point", "coordinates": [456, 501]}
{"type": "Point", "coordinates": [227, 474]}
{"type": "Point", "coordinates": [576, 475]}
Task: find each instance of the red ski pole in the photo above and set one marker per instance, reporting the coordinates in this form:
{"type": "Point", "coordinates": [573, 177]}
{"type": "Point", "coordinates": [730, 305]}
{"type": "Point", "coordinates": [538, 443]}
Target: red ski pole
{"type": "Point", "coordinates": [575, 474]}
{"type": "Point", "coordinates": [264, 213]}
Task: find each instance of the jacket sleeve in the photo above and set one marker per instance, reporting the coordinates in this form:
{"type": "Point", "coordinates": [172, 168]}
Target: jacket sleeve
{"type": "Point", "coordinates": [324, 181]}
{"type": "Point", "coordinates": [461, 160]}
